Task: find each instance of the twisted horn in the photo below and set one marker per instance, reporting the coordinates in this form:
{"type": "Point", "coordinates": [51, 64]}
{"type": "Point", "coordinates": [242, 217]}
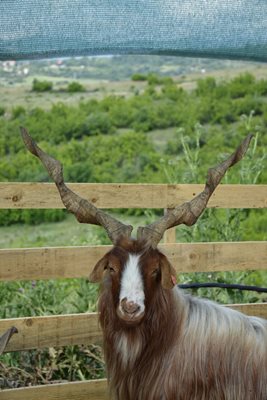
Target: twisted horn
{"type": "Point", "coordinates": [84, 210]}
{"type": "Point", "coordinates": [189, 212]}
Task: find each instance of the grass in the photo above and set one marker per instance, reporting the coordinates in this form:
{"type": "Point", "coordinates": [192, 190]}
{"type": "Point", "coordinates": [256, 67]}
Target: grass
{"type": "Point", "coordinates": [20, 94]}
{"type": "Point", "coordinates": [160, 137]}
{"type": "Point", "coordinates": [49, 297]}
{"type": "Point", "coordinates": [65, 233]}
{"type": "Point", "coordinates": [29, 298]}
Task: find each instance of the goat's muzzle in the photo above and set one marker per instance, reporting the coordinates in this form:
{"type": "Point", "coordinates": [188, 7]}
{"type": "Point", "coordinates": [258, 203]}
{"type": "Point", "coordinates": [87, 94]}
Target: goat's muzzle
{"type": "Point", "coordinates": [129, 311]}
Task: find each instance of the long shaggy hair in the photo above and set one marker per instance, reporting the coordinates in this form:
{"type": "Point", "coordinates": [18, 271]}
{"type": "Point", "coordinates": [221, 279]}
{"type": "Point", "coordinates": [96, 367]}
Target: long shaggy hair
{"type": "Point", "coordinates": [184, 348]}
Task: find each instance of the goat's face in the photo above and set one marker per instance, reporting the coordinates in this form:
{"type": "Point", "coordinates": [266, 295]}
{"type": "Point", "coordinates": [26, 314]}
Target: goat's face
{"type": "Point", "coordinates": [133, 275]}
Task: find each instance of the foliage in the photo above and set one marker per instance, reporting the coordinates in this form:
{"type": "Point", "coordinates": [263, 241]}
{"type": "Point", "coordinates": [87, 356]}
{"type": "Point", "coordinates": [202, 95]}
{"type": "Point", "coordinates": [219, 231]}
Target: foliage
{"type": "Point", "coordinates": [38, 367]}
{"type": "Point", "coordinates": [2, 111]}
{"type": "Point", "coordinates": [89, 141]}
{"type": "Point", "coordinates": [37, 298]}
{"type": "Point", "coordinates": [31, 217]}
{"type": "Point", "coordinates": [139, 77]}
{"type": "Point", "coordinates": [162, 104]}
{"type": "Point", "coordinates": [242, 85]}
{"type": "Point", "coordinates": [221, 225]}
{"type": "Point", "coordinates": [152, 78]}
{"type": "Point", "coordinates": [108, 140]}
{"type": "Point", "coordinates": [96, 124]}
{"type": "Point", "coordinates": [41, 86]}
{"type": "Point", "coordinates": [74, 87]}
{"type": "Point", "coordinates": [18, 112]}
{"type": "Point", "coordinates": [128, 157]}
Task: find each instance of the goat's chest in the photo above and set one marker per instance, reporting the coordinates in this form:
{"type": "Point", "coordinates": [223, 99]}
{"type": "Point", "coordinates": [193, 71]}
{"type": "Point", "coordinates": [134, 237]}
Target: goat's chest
{"type": "Point", "coordinates": [128, 349]}
{"type": "Point", "coordinates": [137, 374]}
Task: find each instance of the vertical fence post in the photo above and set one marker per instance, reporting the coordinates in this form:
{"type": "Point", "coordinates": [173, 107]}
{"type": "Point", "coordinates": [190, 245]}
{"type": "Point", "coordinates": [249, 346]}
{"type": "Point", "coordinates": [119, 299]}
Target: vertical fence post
{"type": "Point", "coordinates": [169, 235]}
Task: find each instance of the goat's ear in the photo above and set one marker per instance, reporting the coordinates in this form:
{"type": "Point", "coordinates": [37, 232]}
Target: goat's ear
{"type": "Point", "coordinates": [98, 271]}
{"type": "Point", "coordinates": [168, 273]}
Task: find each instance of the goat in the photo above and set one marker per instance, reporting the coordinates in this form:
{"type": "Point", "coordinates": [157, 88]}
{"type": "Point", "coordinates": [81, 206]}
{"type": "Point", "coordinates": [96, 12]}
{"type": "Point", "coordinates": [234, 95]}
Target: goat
{"type": "Point", "coordinates": [165, 344]}
{"type": "Point", "coordinates": [160, 343]}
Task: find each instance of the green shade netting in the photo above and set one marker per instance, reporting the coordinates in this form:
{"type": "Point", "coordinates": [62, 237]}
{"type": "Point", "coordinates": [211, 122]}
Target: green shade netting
{"type": "Point", "coordinates": [234, 29]}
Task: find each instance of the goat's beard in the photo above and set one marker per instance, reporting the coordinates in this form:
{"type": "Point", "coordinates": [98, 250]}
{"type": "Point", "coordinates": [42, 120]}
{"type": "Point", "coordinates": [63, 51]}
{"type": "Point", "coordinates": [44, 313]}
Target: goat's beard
{"type": "Point", "coordinates": [128, 346]}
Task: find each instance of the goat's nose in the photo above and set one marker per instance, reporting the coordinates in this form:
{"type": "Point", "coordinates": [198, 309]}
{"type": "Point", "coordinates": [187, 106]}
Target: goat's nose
{"type": "Point", "coordinates": [129, 307]}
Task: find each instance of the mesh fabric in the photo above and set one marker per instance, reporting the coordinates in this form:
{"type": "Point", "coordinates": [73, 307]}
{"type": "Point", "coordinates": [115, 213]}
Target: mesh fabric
{"type": "Point", "coordinates": [234, 29]}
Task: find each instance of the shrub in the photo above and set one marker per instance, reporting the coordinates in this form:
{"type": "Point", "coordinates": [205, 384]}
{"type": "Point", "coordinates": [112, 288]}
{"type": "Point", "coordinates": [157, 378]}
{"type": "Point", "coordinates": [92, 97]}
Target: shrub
{"type": "Point", "coordinates": [41, 86]}
{"type": "Point", "coordinates": [246, 104]}
{"type": "Point", "coordinates": [261, 87]}
{"type": "Point", "coordinates": [2, 111]}
{"type": "Point", "coordinates": [154, 79]}
{"type": "Point", "coordinates": [139, 77]}
{"type": "Point", "coordinates": [31, 216]}
{"type": "Point", "coordinates": [167, 80]}
{"type": "Point", "coordinates": [172, 92]}
{"type": "Point", "coordinates": [18, 111]}
{"type": "Point", "coordinates": [96, 124]}
{"type": "Point", "coordinates": [74, 87]}
{"type": "Point", "coordinates": [241, 85]}
{"type": "Point", "coordinates": [206, 86]}
{"type": "Point", "coordinates": [151, 78]}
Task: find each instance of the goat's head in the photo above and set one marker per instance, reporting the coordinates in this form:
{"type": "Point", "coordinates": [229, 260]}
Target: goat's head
{"type": "Point", "coordinates": [133, 273]}
{"type": "Point", "coordinates": [134, 267]}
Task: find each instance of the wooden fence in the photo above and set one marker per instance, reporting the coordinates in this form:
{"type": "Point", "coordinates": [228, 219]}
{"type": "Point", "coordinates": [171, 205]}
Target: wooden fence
{"type": "Point", "coordinates": [57, 262]}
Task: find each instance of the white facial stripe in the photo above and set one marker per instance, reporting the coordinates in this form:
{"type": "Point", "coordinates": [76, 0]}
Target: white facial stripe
{"type": "Point", "coordinates": [132, 286]}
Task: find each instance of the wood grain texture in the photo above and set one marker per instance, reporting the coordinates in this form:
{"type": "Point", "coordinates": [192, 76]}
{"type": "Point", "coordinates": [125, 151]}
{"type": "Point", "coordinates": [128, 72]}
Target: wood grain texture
{"type": "Point", "coordinates": [77, 262]}
{"type": "Point", "coordinates": [45, 195]}
{"type": "Point", "coordinates": [51, 262]}
{"type": "Point", "coordinates": [217, 256]}
{"type": "Point", "coordinates": [255, 309]}
{"type": "Point", "coordinates": [170, 236]}
{"type": "Point", "coordinates": [52, 331]}
{"type": "Point", "coordinates": [87, 390]}
{"type": "Point", "coordinates": [63, 330]}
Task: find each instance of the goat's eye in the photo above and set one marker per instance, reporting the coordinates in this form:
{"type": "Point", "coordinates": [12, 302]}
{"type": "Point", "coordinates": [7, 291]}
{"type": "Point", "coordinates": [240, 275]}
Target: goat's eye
{"type": "Point", "coordinates": [111, 269]}
{"type": "Point", "coordinates": [155, 272]}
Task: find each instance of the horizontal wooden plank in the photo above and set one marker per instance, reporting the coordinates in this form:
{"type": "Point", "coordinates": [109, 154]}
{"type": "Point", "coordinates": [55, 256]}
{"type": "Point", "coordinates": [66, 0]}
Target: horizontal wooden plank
{"type": "Point", "coordinates": [45, 195]}
{"type": "Point", "coordinates": [217, 256]}
{"type": "Point", "coordinates": [255, 309]}
{"type": "Point", "coordinates": [93, 390]}
{"type": "Point", "coordinates": [51, 262]}
{"type": "Point", "coordinates": [62, 330]}
{"type": "Point", "coordinates": [59, 262]}
{"type": "Point", "coordinates": [52, 330]}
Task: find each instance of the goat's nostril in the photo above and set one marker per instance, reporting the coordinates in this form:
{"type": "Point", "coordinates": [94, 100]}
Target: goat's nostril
{"type": "Point", "coordinates": [129, 307]}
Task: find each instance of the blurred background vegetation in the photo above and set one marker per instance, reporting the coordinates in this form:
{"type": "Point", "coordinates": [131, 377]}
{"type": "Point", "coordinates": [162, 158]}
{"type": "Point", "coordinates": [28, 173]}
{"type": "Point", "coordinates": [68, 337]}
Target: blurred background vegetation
{"type": "Point", "coordinates": [125, 120]}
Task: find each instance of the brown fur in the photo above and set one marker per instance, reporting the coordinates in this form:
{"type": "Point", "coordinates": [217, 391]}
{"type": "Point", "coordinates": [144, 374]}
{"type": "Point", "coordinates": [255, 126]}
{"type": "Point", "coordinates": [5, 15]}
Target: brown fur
{"type": "Point", "coordinates": [184, 348]}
